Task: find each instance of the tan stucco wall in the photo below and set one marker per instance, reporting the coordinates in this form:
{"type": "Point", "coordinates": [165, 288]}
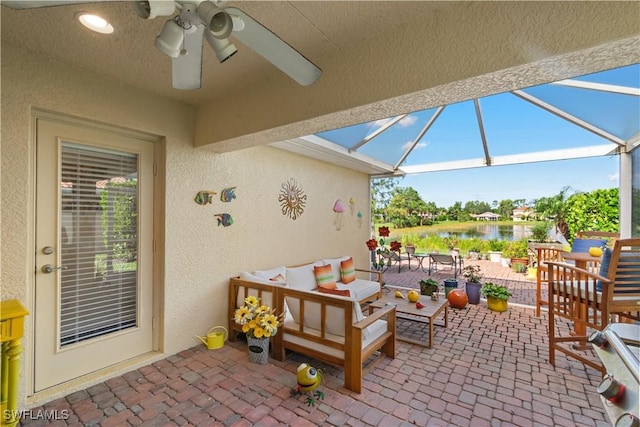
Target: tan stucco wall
{"type": "Point", "coordinates": [200, 256]}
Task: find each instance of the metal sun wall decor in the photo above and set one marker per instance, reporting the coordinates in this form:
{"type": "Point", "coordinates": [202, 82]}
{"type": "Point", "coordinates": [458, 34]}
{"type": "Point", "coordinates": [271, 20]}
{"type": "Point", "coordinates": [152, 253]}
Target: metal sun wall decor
{"type": "Point", "coordinates": [292, 199]}
{"type": "Point", "coordinates": [205, 197]}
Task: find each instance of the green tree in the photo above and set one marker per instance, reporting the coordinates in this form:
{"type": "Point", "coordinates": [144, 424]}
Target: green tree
{"type": "Point", "coordinates": [119, 219]}
{"type": "Point", "coordinates": [453, 213]}
{"type": "Point", "coordinates": [597, 210]}
{"type": "Point", "coordinates": [404, 207]}
{"type": "Point", "coordinates": [505, 208]}
{"type": "Point", "coordinates": [382, 190]}
{"type": "Point", "coordinates": [555, 208]}
{"type": "Point", "coordinates": [476, 207]}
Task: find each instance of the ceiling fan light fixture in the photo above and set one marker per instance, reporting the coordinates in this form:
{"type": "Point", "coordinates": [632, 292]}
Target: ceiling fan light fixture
{"type": "Point", "coordinates": [149, 9]}
{"type": "Point", "coordinates": [170, 39]}
{"type": "Point", "coordinates": [94, 23]}
{"type": "Point", "coordinates": [223, 48]}
{"type": "Point", "coordinates": [216, 20]}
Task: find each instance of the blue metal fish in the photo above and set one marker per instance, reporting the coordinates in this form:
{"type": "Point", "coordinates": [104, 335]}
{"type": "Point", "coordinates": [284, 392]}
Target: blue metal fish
{"type": "Point", "coordinates": [228, 194]}
{"type": "Point", "coordinates": [224, 219]}
{"type": "Point", "coordinates": [204, 197]}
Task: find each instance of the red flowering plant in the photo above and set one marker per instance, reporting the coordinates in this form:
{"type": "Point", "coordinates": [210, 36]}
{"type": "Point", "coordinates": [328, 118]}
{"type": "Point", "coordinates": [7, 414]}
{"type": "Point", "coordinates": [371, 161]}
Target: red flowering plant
{"type": "Point", "coordinates": [383, 256]}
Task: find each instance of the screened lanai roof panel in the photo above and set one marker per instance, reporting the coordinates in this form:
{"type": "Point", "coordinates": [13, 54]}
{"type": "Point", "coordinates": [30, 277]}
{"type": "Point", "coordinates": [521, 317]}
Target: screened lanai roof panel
{"type": "Point", "coordinates": [617, 114]}
{"type": "Point", "coordinates": [586, 116]}
{"type": "Point", "coordinates": [350, 135]}
{"type": "Point", "coordinates": [454, 135]}
{"type": "Point", "coordinates": [513, 126]}
{"type": "Point", "coordinates": [392, 144]}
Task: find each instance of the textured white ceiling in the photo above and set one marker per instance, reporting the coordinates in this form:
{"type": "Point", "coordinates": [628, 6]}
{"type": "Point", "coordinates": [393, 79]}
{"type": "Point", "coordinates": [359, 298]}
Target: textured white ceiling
{"type": "Point", "coordinates": [128, 56]}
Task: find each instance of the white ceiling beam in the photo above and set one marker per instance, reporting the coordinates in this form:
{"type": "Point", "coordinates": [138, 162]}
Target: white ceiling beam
{"type": "Point", "coordinates": [621, 90]}
{"type": "Point", "coordinates": [485, 147]}
{"type": "Point", "coordinates": [378, 131]}
{"type": "Point", "coordinates": [542, 156]}
{"type": "Point", "coordinates": [327, 151]}
{"type": "Point", "coordinates": [419, 136]}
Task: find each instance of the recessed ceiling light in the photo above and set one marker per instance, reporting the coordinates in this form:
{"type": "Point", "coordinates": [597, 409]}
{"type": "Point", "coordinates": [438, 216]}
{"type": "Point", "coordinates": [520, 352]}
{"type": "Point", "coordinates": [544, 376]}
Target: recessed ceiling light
{"type": "Point", "coordinates": [94, 23]}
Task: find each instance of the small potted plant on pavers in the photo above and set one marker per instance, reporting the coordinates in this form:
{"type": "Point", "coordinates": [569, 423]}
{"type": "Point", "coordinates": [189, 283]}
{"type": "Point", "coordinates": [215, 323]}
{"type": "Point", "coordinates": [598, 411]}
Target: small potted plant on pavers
{"type": "Point", "coordinates": [540, 237]}
{"type": "Point", "coordinates": [474, 253]}
{"type": "Point", "coordinates": [472, 274]}
{"type": "Point", "coordinates": [497, 296]}
{"type": "Point", "coordinates": [428, 286]}
{"type": "Point", "coordinates": [495, 249]}
{"type": "Point", "coordinates": [518, 252]}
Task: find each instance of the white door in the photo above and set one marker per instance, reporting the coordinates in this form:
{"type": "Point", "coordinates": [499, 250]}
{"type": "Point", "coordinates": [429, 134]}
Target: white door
{"type": "Point", "coordinates": [94, 250]}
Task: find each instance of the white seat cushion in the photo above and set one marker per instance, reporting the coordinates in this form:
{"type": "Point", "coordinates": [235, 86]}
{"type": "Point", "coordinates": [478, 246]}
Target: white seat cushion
{"type": "Point", "coordinates": [360, 288]}
{"type": "Point", "coordinates": [369, 334]}
{"type": "Point", "coordinates": [576, 289]}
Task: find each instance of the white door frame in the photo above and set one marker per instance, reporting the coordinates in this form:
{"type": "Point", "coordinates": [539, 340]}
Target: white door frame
{"type": "Point", "coordinates": [158, 261]}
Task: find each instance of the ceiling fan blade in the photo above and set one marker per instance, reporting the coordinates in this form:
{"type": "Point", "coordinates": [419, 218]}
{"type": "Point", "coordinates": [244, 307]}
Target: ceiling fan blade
{"type": "Point", "coordinates": [275, 50]}
{"type": "Point", "coordinates": [186, 69]}
{"type": "Point", "coordinates": [34, 4]}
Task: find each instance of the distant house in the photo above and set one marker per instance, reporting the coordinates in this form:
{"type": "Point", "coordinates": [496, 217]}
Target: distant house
{"type": "Point", "coordinates": [523, 213]}
{"type": "Point", "coordinates": [487, 216]}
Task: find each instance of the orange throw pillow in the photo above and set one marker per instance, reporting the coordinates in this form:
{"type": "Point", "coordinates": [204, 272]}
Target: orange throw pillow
{"type": "Point", "coordinates": [342, 293]}
{"type": "Point", "coordinates": [347, 271]}
{"type": "Point", "coordinates": [324, 276]}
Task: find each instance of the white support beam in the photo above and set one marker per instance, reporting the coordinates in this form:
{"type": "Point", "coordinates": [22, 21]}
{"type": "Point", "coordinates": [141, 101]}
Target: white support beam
{"type": "Point", "coordinates": [621, 90]}
{"type": "Point", "coordinates": [543, 156]}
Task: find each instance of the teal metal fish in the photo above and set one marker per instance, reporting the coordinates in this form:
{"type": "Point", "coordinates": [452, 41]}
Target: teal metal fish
{"type": "Point", "coordinates": [228, 194]}
{"type": "Point", "coordinates": [204, 197]}
{"type": "Point", "coordinates": [224, 219]}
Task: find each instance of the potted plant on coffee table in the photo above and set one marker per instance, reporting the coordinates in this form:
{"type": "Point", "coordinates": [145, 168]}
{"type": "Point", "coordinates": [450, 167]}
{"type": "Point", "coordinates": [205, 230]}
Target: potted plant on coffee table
{"type": "Point", "coordinates": [472, 274]}
{"type": "Point", "coordinates": [428, 286]}
{"type": "Point", "coordinates": [497, 296]}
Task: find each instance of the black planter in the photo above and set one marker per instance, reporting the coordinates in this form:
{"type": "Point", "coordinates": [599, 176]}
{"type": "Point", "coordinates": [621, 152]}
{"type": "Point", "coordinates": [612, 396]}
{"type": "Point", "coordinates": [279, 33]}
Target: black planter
{"type": "Point", "coordinates": [449, 284]}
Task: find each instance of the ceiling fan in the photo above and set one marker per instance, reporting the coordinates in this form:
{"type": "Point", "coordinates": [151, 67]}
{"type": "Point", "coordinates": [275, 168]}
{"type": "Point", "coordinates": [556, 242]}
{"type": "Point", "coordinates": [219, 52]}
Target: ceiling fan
{"type": "Point", "coordinates": [182, 37]}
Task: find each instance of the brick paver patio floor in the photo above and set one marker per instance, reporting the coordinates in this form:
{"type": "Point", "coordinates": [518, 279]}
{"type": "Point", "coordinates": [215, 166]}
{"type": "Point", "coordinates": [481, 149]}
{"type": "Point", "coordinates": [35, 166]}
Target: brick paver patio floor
{"type": "Point", "coordinates": [485, 369]}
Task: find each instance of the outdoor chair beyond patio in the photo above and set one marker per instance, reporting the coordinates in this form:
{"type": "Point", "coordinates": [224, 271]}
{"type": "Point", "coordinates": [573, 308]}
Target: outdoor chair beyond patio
{"type": "Point", "coordinates": [591, 300]}
{"type": "Point", "coordinates": [391, 258]}
{"type": "Point", "coordinates": [454, 263]}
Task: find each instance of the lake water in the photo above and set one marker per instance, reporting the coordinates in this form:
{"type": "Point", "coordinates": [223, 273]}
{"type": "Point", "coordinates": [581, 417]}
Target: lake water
{"type": "Point", "coordinates": [486, 231]}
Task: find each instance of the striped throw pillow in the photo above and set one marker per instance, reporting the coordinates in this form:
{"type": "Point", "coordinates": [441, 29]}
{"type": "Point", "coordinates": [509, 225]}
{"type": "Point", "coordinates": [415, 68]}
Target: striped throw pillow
{"type": "Point", "coordinates": [347, 271]}
{"type": "Point", "coordinates": [324, 276]}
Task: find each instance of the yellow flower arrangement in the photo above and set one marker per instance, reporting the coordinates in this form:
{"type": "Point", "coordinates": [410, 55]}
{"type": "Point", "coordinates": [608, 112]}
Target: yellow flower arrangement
{"type": "Point", "coordinates": [258, 321]}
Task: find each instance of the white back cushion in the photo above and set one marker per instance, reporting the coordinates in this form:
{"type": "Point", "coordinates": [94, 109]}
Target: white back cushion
{"type": "Point", "coordinates": [302, 278]}
{"type": "Point", "coordinates": [335, 265]}
{"type": "Point", "coordinates": [270, 274]}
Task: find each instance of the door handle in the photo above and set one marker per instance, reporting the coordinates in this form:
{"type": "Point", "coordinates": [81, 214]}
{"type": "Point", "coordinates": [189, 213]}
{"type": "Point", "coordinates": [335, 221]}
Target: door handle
{"type": "Point", "coordinates": [49, 268]}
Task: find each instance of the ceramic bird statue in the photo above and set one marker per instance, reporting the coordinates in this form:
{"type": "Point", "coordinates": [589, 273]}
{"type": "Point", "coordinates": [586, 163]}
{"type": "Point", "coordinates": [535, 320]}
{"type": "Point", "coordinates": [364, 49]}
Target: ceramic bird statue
{"type": "Point", "coordinates": [308, 378]}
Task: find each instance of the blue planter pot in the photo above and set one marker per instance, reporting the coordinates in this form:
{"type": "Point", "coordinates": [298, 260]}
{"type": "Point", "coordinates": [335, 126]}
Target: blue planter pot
{"type": "Point", "coordinates": [473, 292]}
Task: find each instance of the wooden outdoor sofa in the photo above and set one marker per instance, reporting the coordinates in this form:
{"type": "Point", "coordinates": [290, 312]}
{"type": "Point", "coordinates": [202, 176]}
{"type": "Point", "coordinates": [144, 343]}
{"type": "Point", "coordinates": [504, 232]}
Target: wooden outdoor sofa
{"type": "Point", "coordinates": [326, 327]}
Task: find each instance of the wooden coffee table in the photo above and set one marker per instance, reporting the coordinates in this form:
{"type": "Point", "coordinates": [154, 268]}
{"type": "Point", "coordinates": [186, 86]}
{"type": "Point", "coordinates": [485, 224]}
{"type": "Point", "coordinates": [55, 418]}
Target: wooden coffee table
{"type": "Point", "coordinates": [408, 310]}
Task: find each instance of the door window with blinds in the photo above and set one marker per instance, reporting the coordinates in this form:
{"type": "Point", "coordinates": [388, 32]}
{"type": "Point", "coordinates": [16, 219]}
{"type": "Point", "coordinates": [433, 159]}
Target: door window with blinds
{"type": "Point", "coordinates": [99, 242]}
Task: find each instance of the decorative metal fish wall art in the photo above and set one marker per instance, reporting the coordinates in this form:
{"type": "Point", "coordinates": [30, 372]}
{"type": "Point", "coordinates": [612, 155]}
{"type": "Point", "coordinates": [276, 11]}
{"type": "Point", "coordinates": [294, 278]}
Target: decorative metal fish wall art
{"type": "Point", "coordinates": [224, 219]}
{"type": "Point", "coordinates": [228, 194]}
{"type": "Point", "coordinates": [204, 197]}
